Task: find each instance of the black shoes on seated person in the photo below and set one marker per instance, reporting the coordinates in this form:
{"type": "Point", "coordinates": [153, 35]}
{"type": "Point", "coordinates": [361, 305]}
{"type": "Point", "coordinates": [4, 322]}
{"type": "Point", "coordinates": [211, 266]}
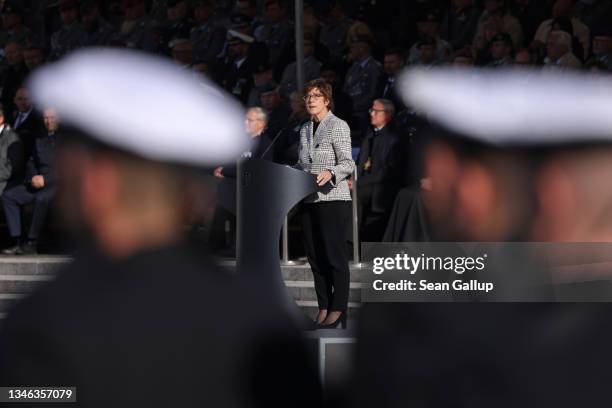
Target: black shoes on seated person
{"type": "Point", "coordinates": [29, 248]}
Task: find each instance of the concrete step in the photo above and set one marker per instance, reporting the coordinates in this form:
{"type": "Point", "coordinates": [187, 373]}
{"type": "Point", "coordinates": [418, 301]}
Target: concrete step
{"type": "Point", "coordinates": [21, 283]}
{"type": "Point", "coordinates": [300, 272]}
{"type": "Point", "coordinates": [304, 290]}
{"type": "Point", "coordinates": [309, 307]}
{"type": "Point", "coordinates": [31, 265]}
{"type": "Point", "coordinates": [48, 264]}
{"type": "Point", "coordinates": [15, 287]}
{"type": "Point", "coordinates": [8, 299]}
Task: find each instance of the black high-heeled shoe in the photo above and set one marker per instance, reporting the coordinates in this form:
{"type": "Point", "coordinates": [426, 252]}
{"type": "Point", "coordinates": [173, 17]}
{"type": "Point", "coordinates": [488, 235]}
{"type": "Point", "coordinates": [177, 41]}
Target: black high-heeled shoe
{"type": "Point", "coordinates": [342, 320]}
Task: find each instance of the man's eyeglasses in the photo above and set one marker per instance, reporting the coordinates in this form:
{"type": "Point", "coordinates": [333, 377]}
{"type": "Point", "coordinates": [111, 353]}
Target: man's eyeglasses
{"type": "Point", "coordinates": [305, 98]}
{"type": "Point", "coordinates": [372, 110]}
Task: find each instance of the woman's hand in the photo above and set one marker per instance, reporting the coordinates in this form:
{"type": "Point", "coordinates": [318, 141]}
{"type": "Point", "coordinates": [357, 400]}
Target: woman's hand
{"type": "Point", "coordinates": [324, 177]}
{"type": "Point", "coordinates": [218, 172]}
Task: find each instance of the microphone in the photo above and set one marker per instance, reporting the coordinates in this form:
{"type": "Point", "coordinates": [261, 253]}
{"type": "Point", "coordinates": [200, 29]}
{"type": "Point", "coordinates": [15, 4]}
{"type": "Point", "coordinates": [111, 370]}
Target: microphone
{"type": "Point", "coordinates": [272, 143]}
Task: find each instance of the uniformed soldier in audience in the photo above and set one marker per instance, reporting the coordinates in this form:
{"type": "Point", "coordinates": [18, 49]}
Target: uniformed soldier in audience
{"type": "Point", "coordinates": [136, 29]}
{"type": "Point", "coordinates": [312, 68]}
{"type": "Point", "coordinates": [249, 8]}
{"type": "Point", "coordinates": [334, 30]}
{"type": "Point", "coordinates": [236, 70]}
{"type": "Point", "coordinates": [261, 75]}
{"type": "Point", "coordinates": [182, 52]}
{"type": "Point", "coordinates": [277, 110]}
{"type": "Point", "coordinates": [140, 308]}
{"type": "Point", "coordinates": [428, 25]}
{"type": "Point", "coordinates": [72, 35]}
{"type": "Point", "coordinates": [258, 51]}
{"type": "Point", "coordinates": [99, 31]}
{"type": "Point", "coordinates": [343, 104]}
{"type": "Point", "coordinates": [13, 25]}
{"type": "Point", "coordinates": [178, 22]}
{"type": "Point", "coordinates": [360, 83]}
{"type": "Point", "coordinates": [207, 36]}
{"type": "Point", "coordinates": [33, 56]}
{"type": "Point", "coordinates": [501, 51]}
{"type": "Point", "coordinates": [276, 30]}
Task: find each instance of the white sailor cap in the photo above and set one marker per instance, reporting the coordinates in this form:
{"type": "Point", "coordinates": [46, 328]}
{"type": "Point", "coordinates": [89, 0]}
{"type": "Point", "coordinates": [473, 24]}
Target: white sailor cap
{"type": "Point", "coordinates": [143, 105]}
{"type": "Point", "coordinates": [242, 37]}
{"type": "Point", "coordinates": [514, 107]}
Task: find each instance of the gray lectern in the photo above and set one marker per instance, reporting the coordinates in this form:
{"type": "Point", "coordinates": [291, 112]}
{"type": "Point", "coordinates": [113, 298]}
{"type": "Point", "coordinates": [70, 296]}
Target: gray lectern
{"type": "Point", "coordinates": [266, 193]}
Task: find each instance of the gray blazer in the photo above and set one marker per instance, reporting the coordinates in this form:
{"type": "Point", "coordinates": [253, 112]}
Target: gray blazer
{"type": "Point", "coordinates": [11, 156]}
{"type": "Point", "coordinates": [328, 149]}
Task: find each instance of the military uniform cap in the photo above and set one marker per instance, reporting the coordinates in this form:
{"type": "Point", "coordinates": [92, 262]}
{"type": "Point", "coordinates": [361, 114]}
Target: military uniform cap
{"type": "Point", "coordinates": [515, 107]}
{"type": "Point", "coordinates": [239, 36]}
{"type": "Point", "coordinates": [142, 104]}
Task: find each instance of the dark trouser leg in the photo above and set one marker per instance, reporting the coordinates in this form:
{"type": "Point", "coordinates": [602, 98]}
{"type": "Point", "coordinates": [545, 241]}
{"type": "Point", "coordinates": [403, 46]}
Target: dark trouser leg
{"type": "Point", "coordinates": [333, 217]}
{"type": "Point", "coordinates": [373, 226]}
{"type": "Point", "coordinates": [218, 236]}
{"type": "Point", "coordinates": [315, 253]}
{"type": "Point", "coordinates": [42, 198]}
{"type": "Point", "coordinates": [12, 200]}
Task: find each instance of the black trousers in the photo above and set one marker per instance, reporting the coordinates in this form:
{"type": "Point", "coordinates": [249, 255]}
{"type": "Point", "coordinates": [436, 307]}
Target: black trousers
{"type": "Point", "coordinates": [14, 198]}
{"type": "Point", "coordinates": [324, 226]}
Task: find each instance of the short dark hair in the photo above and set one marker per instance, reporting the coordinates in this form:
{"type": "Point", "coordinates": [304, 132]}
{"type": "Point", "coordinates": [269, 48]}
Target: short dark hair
{"type": "Point", "coordinates": [323, 86]}
{"type": "Point", "coordinates": [396, 51]}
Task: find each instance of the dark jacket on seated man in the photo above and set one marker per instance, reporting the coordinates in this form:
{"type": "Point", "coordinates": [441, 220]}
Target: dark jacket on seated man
{"type": "Point", "coordinates": [41, 162]}
{"type": "Point", "coordinates": [28, 130]}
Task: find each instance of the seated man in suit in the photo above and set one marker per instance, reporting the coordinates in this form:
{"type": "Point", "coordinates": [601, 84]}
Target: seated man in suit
{"type": "Point", "coordinates": [27, 123]}
{"type": "Point", "coordinates": [38, 188]}
{"type": "Point", "coordinates": [224, 220]}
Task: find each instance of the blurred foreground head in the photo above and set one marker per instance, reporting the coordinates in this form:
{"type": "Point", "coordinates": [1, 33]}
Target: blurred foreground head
{"type": "Point", "coordinates": [124, 168]}
{"type": "Point", "coordinates": [521, 155]}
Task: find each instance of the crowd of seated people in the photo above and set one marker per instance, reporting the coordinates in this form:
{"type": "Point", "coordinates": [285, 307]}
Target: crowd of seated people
{"type": "Point", "coordinates": [247, 47]}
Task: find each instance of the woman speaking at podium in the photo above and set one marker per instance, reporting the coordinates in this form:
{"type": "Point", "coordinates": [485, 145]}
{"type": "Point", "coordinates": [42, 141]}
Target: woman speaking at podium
{"type": "Point", "coordinates": [325, 150]}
